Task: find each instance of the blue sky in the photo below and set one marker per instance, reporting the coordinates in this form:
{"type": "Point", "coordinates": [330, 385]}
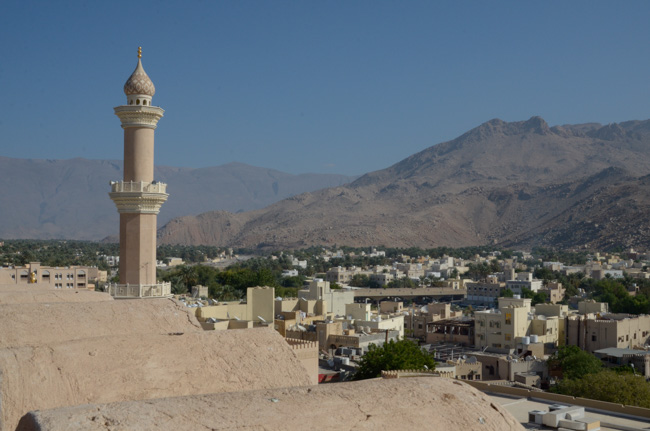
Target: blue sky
{"type": "Point", "coordinates": [312, 86]}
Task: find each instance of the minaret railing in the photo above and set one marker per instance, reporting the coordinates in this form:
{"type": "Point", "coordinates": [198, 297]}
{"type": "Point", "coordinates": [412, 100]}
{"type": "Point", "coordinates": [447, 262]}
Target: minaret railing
{"type": "Point", "coordinates": [158, 290]}
{"type": "Point", "coordinates": [138, 187]}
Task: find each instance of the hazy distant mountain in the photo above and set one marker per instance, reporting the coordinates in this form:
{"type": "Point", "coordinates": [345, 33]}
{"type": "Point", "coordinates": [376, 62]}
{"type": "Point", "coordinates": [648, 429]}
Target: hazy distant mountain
{"type": "Point", "coordinates": [517, 184]}
{"type": "Point", "coordinates": [69, 198]}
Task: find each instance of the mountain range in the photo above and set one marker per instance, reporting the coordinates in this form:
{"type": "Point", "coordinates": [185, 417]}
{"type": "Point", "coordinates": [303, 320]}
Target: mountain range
{"type": "Point", "coordinates": [513, 184]}
{"type": "Point", "coordinates": [68, 199]}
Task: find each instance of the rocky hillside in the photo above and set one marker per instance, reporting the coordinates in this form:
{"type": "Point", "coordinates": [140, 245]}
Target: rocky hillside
{"type": "Point", "coordinates": [516, 184]}
{"type": "Point", "coordinates": [69, 198]}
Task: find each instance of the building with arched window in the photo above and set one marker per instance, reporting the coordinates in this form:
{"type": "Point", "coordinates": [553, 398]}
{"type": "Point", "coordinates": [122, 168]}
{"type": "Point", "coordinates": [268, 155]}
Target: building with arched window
{"type": "Point", "coordinates": [73, 277]}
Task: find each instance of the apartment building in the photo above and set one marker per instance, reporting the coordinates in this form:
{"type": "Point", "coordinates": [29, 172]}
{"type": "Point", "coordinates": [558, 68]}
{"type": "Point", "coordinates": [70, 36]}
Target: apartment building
{"type": "Point", "coordinates": [335, 299]}
{"type": "Point", "coordinates": [74, 277]}
{"type": "Point", "coordinates": [593, 332]}
{"type": "Point", "coordinates": [417, 321]}
{"type": "Point", "coordinates": [524, 280]}
{"type": "Point", "coordinates": [485, 292]}
{"type": "Point", "coordinates": [341, 275]}
{"type": "Point", "coordinates": [514, 326]}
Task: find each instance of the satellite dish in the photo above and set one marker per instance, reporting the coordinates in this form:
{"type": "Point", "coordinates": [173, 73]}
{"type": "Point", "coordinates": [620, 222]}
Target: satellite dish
{"type": "Point", "coordinates": [261, 318]}
{"type": "Point", "coordinates": [472, 360]}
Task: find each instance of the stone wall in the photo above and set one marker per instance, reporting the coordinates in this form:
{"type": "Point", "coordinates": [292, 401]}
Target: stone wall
{"type": "Point", "coordinates": [395, 404]}
{"type": "Point", "coordinates": [142, 366]}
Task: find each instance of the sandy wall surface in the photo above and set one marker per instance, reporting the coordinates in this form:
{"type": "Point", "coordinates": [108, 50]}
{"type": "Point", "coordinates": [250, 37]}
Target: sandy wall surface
{"type": "Point", "coordinates": [142, 366]}
{"type": "Point", "coordinates": [427, 403]}
{"type": "Point", "coordinates": [17, 296]}
{"type": "Point", "coordinates": [32, 324]}
{"type": "Point", "coordinates": [24, 286]}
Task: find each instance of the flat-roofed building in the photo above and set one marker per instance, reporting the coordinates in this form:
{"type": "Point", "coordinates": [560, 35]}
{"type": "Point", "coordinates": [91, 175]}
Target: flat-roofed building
{"type": "Point", "coordinates": [595, 332]}
{"type": "Point", "coordinates": [73, 277]}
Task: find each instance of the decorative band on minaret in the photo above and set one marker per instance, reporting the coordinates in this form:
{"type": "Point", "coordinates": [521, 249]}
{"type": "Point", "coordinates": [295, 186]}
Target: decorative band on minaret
{"type": "Point", "coordinates": [138, 196]}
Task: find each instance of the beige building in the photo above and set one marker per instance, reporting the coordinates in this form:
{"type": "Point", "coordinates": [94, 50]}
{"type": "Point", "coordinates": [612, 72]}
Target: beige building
{"type": "Point", "coordinates": [454, 331]}
{"type": "Point", "coordinates": [341, 275]}
{"type": "Point", "coordinates": [461, 369]}
{"type": "Point", "coordinates": [507, 367]}
{"type": "Point", "coordinates": [590, 306]}
{"type": "Point", "coordinates": [257, 310]}
{"type": "Point", "coordinates": [330, 335]}
{"type": "Point", "coordinates": [382, 278]}
{"type": "Point", "coordinates": [554, 292]}
{"type": "Point", "coordinates": [358, 311]}
{"type": "Point", "coordinates": [411, 270]}
{"type": "Point", "coordinates": [74, 277]}
{"type": "Point", "coordinates": [308, 307]}
{"type": "Point", "coordinates": [199, 291]}
{"type": "Point", "coordinates": [391, 306]}
{"type": "Point", "coordinates": [289, 321]}
{"type": "Point", "coordinates": [513, 326]}
{"type": "Point", "coordinates": [362, 318]}
{"type": "Point", "coordinates": [485, 293]}
{"type": "Point", "coordinates": [415, 323]}
{"type": "Point", "coordinates": [591, 332]}
{"type": "Point", "coordinates": [335, 299]}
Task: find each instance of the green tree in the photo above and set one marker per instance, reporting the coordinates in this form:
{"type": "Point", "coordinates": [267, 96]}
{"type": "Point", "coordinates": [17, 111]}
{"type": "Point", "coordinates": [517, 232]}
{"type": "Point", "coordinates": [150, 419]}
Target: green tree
{"type": "Point", "coordinates": [574, 362]}
{"type": "Point", "coordinates": [360, 280]}
{"type": "Point", "coordinates": [394, 355]}
{"type": "Point", "coordinates": [610, 386]}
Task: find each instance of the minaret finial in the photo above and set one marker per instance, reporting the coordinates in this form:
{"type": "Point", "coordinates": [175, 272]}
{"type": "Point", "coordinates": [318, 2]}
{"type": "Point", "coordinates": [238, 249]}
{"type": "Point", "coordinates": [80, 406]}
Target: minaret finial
{"type": "Point", "coordinates": [139, 52]}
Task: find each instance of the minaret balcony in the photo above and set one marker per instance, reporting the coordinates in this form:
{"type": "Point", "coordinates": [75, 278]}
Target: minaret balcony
{"type": "Point", "coordinates": [138, 186]}
{"type": "Point", "coordinates": [140, 197]}
{"type": "Point", "coordinates": [132, 291]}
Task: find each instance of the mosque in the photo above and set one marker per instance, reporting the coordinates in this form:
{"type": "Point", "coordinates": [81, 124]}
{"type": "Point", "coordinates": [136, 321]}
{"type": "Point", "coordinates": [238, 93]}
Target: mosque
{"type": "Point", "coordinates": [80, 360]}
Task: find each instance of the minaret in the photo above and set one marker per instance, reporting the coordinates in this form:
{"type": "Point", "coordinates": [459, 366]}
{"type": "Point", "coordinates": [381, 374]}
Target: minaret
{"type": "Point", "coordinates": [138, 197]}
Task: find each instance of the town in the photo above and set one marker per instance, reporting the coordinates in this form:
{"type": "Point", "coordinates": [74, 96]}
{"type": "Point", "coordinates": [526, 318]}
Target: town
{"type": "Point", "coordinates": [493, 318]}
{"type": "Point", "coordinates": [496, 280]}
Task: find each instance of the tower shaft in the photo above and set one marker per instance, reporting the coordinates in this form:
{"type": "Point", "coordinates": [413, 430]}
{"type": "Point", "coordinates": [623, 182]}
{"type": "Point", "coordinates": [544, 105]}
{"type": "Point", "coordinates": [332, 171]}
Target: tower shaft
{"type": "Point", "coordinates": [138, 196]}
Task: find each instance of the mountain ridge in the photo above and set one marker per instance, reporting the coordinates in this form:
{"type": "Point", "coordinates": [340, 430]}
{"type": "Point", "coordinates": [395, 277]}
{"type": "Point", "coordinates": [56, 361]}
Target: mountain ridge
{"type": "Point", "coordinates": [68, 199]}
{"type": "Point", "coordinates": [499, 183]}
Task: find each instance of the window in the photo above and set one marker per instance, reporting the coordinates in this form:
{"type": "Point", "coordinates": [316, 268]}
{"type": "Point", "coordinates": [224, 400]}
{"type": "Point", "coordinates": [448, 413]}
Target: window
{"type": "Point", "coordinates": [508, 337]}
{"type": "Point", "coordinates": [593, 337]}
{"type": "Point", "coordinates": [508, 318]}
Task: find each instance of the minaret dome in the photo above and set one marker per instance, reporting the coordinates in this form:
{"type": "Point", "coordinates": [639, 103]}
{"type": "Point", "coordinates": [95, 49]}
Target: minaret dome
{"type": "Point", "coordinates": [138, 88]}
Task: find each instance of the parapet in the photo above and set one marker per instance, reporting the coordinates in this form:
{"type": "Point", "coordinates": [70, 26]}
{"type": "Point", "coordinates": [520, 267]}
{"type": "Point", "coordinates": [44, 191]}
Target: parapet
{"type": "Point", "coordinates": [418, 403]}
{"type": "Point", "coordinates": [400, 374]}
{"type": "Point", "coordinates": [297, 344]}
{"type": "Point", "coordinates": [143, 366]}
{"type": "Point", "coordinates": [34, 324]}
{"type": "Point", "coordinates": [27, 295]}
